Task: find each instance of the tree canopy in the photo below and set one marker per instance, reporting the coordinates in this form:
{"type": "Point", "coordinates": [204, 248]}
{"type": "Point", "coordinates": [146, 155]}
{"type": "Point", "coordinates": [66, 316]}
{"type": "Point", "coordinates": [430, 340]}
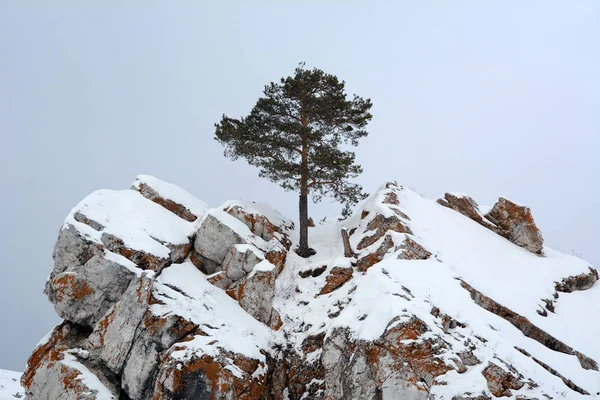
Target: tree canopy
{"type": "Point", "coordinates": [295, 134]}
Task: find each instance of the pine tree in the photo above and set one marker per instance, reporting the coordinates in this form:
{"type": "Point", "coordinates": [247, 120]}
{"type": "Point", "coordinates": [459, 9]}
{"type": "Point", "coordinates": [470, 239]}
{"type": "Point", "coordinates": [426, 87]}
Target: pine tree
{"type": "Point", "coordinates": [294, 135]}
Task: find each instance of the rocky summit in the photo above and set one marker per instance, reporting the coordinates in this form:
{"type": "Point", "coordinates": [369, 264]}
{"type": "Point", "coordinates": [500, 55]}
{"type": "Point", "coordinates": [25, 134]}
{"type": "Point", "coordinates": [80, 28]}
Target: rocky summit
{"type": "Point", "coordinates": [165, 298]}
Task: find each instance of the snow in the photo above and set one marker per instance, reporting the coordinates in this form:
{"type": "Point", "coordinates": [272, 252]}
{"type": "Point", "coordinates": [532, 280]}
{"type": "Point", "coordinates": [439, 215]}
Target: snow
{"type": "Point", "coordinates": [227, 326]}
{"type": "Point", "coordinates": [85, 376]}
{"type": "Point", "coordinates": [462, 249]}
{"type": "Point", "coordinates": [263, 266]}
{"type": "Point", "coordinates": [173, 193]}
{"type": "Point", "coordinates": [119, 259]}
{"type": "Point", "coordinates": [10, 388]}
{"type": "Point", "coordinates": [242, 248]}
{"type": "Point", "coordinates": [142, 224]}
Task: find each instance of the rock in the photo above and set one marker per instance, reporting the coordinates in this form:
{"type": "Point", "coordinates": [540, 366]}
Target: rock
{"type": "Point", "coordinates": [256, 293]}
{"type": "Point", "coordinates": [205, 265]}
{"type": "Point", "coordinates": [267, 227]}
{"type": "Point", "coordinates": [295, 376]}
{"type": "Point", "coordinates": [518, 222]}
{"type": "Point", "coordinates": [413, 250]}
{"type": "Point", "coordinates": [500, 381]}
{"type": "Point", "coordinates": [215, 238]}
{"type": "Point", "coordinates": [313, 272]}
{"type": "Point", "coordinates": [71, 249]}
{"type": "Point", "coordinates": [469, 208]}
{"type": "Point", "coordinates": [275, 323]}
{"type": "Point", "coordinates": [159, 305]}
{"type": "Point", "coordinates": [373, 258]}
{"type": "Point", "coordinates": [154, 338]}
{"type": "Point", "coordinates": [225, 376]}
{"type": "Point", "coordinates": [336, 278]}
{"type": "Point", "coordinates": [114, 334]}
{"type": "Point", "coordinates": [220, 280]}
{"type": "Point", "coordinates": [381, 225]}
{"type": "Point", "coordinates": [240, 261]}
{"type": "Point", "coordinates": [171, 197]}
{"type": "Point", "coordinates": [142, 259]}
{"type": "Point", "coordinates": [84, 293]}
{"type": "Point", "coordinates": [578, 282]}
{"type": "Point", "coordinates": [60, 369]}
{"type": "Point", "coordinates": [357, 369]}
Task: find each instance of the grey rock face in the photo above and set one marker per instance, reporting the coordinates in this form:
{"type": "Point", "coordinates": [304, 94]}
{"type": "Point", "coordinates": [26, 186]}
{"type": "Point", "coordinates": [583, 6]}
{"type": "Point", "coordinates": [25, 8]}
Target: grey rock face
{"type": "Point", "coordinates": [239, 261]}
{"type": "Point", "coordinates": [518, 222]}
{"type": "Point", "coordinates": [154, 336]}
{"type": "Point", "coordinates": [84, 293]}
{"type": "Point", "coordinates": [256, 294]}
{"type": "Point", "coordinates": [214, 239]}
{"type": "Point", "coordinates": [469, 208]}
{"type": "Point", "coordinates": [114, 334]}
{"type": "Point", "coordinates": [60, 369]}
{"type": "Point", "coordinates": [71, 250]}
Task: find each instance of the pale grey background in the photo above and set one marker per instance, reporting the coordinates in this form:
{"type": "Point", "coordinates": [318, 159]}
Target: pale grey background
{"type": "Point", "coordinates": [487, 98]}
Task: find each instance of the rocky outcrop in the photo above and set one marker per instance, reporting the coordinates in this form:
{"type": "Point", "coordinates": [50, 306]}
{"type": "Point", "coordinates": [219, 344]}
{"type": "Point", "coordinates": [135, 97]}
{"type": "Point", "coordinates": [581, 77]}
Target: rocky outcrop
{"type": "Point", "coordinates": [500, 381]}
{"type": "Point", "coordinates": [165, 299]}
{"type": "Point", "coordinates": [255, 294]}
{"type": "Point", "coordinates": [400, 364]}
{"type": "Point", "coordinates": [171, 197]}
{"type": "Point", "coordinates": [528, 329]}
{"type": "Point", "coordinates": [508, 219]}
{"type": "Point", "coordinates": [517, 220]}
{"type": "Point", "coordinates": [60, 369]}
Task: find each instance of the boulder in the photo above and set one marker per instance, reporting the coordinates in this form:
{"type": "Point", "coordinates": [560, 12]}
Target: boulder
{"type": "Point", "coordinates": [240, 261]}
{"type": "Point", "coordinates": [215, 238]}
{"type": "Point", "coordinates": [500, 381]}
{"type": "Point", "coordinates": [411, 250]}
{"type": "Point", "coordinates": [255, 294]}
{"type": "Point", "coordinates": [517, 220]}
{"type": "Point", "coordinates": [114, 334]}
{"type": "Point", "coordinates": [336, 278]}
{"type": "Point", "coordinates": [84, 293]}
{"type": "Point", "coordinates": [60, 369]}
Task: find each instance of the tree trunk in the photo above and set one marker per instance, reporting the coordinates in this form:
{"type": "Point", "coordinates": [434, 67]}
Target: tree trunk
{"type": "Point", "coordinates": [303, 249]}
{"type": "Point", "coordinates": [348, 253]}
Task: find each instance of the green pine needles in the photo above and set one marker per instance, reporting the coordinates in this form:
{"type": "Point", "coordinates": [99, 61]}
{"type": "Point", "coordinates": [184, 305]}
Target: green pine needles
{"type": "Point", "coordinates": [294, 136]}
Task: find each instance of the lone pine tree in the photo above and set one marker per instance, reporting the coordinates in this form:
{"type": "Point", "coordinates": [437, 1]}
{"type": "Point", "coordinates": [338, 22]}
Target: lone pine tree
{"type": "Point", "coordinates": [294, 135]}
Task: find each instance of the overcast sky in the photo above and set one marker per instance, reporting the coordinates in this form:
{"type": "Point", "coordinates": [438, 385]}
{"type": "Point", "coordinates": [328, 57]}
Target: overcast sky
{"type": "Point", "coordinates": [486, 98]}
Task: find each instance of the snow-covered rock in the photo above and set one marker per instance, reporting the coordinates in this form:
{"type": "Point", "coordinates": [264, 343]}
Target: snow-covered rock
{"type": "Point", "coordinates": [517, 220]}
{"type": "Point", "coordinates": [165, 298]}
{"type": "Point", "coordinates": [507, 218]}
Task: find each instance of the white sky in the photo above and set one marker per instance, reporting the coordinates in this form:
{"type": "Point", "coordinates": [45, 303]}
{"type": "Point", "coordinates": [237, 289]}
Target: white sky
{"type": "Point", "coordinates": [489, 99]}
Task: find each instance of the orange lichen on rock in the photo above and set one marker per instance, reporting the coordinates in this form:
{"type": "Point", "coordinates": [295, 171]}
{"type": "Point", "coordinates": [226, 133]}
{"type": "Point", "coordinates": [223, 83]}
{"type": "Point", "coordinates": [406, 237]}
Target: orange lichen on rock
{"type": "Point", "coordinates": [336, 278]}
{"type": "Point", "coordinates": [176, 208]}
{"type": "Point", "coordinates": [373, 258]}
{"type": "Point", "coordinates": [211, 378]}
{"type": "Point", "coordinates": [381, 225]}
{"type": "Point", "coordinates": [48, 352]}
{"type": "Point", "coordinates": [500, 382]}
{"type": "Point", "coordinates": [67, 286]}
